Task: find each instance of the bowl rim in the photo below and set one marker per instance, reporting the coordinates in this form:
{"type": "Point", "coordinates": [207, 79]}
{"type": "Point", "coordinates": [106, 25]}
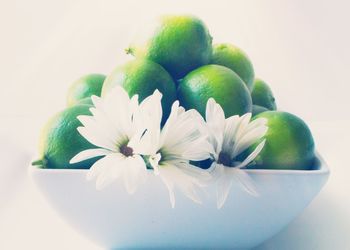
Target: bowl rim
{"type": "Point", "coordinates": [322, 170]}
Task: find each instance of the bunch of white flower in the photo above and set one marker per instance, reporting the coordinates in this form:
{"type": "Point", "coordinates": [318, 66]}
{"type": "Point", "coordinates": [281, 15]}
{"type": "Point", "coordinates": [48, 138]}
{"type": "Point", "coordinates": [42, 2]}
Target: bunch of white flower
{"type": "Point", "coordinates": [130, 138]}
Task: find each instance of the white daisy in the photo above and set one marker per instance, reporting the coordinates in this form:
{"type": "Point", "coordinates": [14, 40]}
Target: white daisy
{"type": "Point", "coordinates": [229, 138]}
{"type": "Point", "coordinates": [113, 127]}
{"type": "Point", "coordinates": [170, 149]}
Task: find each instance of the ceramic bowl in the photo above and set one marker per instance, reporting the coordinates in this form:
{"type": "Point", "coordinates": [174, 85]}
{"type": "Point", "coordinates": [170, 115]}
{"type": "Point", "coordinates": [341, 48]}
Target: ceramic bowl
{"type": "Point", "coordinates": [114, 219]}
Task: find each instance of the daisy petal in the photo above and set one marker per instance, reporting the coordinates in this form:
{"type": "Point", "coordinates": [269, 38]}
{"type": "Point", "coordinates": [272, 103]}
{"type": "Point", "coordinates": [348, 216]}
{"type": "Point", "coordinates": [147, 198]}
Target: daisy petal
{"type": "Point", "coordinates": [229, 140]}
{"type": "Point", "coordinates": [181, 110]}
{"type": "Point", "coordinates": [165, 173]}
{"type": "Point", "coordinates": [85, 120]}
{"type": "Point", "coordinates": [169, 122]}
{"type": "Point", "coordinates": [224, 184]}
{"type": "Point", "coordinates": [97, 125]}
{"type": "Point", "coordinates": [173, 176]}
{"type": "Point", "coordinates": [143, 145]}
{"type": "Point", "coordinates": [96, 101]}
{"type": "Point", "coordinates": [198, 151]}
{"type": "Point", "coordinates": [134, 103]}
{"type": "Point", "coordinates": [214, 114]}
{"type": "Point", "coordinates": [171, 197]}
{"type": "Point", "coordinates": [154, 161]}
{"type": "Point", "coordinates": [248, 139]}
{"type": "Point", "coordinates": [171, 192]}
{"type": "Point", "coordinates": [137, 143]}
{"type": "Point", "coordinates": [188, 138]}
{"type": "Point", "coordinates": [104, 179]}
{"type": "Point", "coordinates": [150, 116]}
{"type": "Point", "coordinates": [247, 183]}
{"type": "Point", "coordinates": [95, 139]}
{"type": "Point", "coordinates": [88, 154]}
{"type": "Point", "coordinates": [256, 123]}
{"type": "Point", "coordinates": [244, 122]}
{"type": "Point", "coordinates": [200, 175]}
{"type": "Point", "coordinates": [252, 156]}
{"type": "Point", "coordinates": [192, 194]}
{"type": "Point", "coordinates": [215, 119]}
{"type": "Point", "coordinates": [134, 173]}
{"type": "Point", "coordinates": [104, 165]}
{"type": "Point", "coordinates": [118, 107]}
{"type": "Point", "coordinates": [152, 107]}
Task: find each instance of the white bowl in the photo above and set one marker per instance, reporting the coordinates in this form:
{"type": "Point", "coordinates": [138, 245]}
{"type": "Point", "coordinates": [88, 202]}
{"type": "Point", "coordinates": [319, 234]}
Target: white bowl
{"type": "Point", "coordinates": [115, 219]}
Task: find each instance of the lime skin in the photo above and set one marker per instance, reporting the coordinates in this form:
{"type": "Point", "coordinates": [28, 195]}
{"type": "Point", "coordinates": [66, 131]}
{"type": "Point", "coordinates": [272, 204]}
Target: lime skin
{"type": "Point", "coordinates": [258, 109]}
{"type": "Point", "coordinates": [289, 143]}
{"type": "Point", "coordinates": [178, 43]}
{"type": "Point", "coordinates": [218, 82]}
{"type": "Point", "coordinates": [85, 101]}
{"type": "Point", "coordinates": [85, 87]}
{"type": "Point", "coordinates": [60, 141]}
{"type": "Point", "coordinates": [143, 77]}
{"type": "Point", "coordinates": [262, 95]}
{"type": "Point", "coordinates": [234, 58]}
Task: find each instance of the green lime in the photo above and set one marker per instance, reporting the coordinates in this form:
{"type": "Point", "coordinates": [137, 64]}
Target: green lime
{"type": "Point", "coordinates": [84, 87]}
{"type": "Point", "coordinates": [234, 58]}
{"type": "Point", "coordinates": [289, 143]}
{"type": "Point", "coordinates": [143, 77]}
{"type": "Point", "coordinates": [258, 109]}
{"type": "Point", "coordinates": [262, 95]}
{"type": "Point", "coordinates": [218, 82]}
{"type": "Point", "coordinates": [178, 43]}
{"type": "Point", "coordinates": [60, 140]}
{"type": "Point", "coordinates": [85, 101]}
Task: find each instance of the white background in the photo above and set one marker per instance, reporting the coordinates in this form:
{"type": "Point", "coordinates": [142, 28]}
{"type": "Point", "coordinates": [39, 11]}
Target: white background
{"type": "Point", "coordinates": [301, 48]}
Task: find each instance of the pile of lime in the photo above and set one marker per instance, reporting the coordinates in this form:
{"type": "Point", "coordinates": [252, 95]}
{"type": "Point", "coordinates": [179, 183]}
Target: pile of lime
{"type": "Point", "coordinates": [179, 59]}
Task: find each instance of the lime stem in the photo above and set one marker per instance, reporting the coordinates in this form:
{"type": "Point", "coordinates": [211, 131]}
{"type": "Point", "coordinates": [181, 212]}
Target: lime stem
{"type": "Point", "coordinates": [129, 51]}
{"type": "Point", "coordinates": [39, 162]}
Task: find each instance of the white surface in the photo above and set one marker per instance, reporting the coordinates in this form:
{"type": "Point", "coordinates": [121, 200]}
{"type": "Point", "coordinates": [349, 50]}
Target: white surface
{"type": "Point", "coordinates": [299, 47]}
{"type": "Point", "coordinates": [12, 170]}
